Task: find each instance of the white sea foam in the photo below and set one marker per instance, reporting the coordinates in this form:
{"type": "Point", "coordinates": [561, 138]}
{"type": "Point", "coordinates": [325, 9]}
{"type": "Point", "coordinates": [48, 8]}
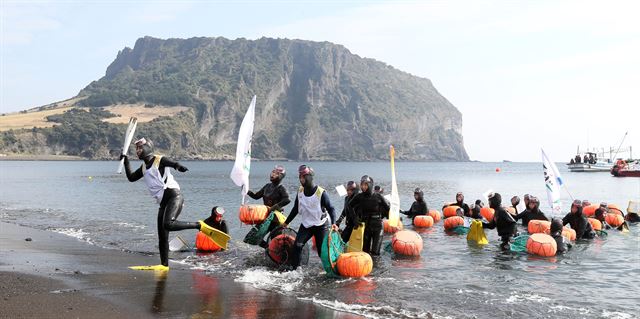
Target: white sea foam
{"type": "Point", "coordinates": [617, 315]}
{"type": "Point", "coordinates": [526, 298]}
{"type": "Point", "coordinates": [75, 233]}
{"type": "Point", "coordinates": [563, 309]}
{"type": "Point", "coordinates": [262, 278]}
{"type": "Point", "coordinates": [370, 311]}
{"type": "Point", "coordinates": [131, 225]}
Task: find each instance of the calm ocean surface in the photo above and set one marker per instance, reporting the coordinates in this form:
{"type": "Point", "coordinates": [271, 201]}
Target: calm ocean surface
{"type": "Point", "coordinates": [596, 279]}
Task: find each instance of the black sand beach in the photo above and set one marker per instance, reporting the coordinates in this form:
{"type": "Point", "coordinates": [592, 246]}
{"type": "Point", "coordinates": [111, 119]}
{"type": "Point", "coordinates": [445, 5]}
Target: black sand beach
{"type": "Point", "coordinates": [48, 275]}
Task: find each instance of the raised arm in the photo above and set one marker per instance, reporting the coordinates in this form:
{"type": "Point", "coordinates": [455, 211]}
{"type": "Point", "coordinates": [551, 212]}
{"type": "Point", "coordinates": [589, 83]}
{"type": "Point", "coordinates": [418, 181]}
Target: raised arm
{"type": "Point", "coordinates": [132, 177]}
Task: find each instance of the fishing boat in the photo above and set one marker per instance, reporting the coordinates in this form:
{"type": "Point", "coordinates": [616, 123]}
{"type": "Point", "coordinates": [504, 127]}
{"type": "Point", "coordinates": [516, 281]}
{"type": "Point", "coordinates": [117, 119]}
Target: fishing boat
{"type": "Point", "coordinates": [596, 159]}
{"type": "Point", "coordinates": [593, 165]}
{"type": "Point", "coordinates": [624, 168]}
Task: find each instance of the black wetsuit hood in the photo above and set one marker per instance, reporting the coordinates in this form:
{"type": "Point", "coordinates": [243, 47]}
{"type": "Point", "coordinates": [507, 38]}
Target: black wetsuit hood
{"type": "Point", "coordinates": [147, 152]}
{"type": "Point", "coordinates": [556, 226]}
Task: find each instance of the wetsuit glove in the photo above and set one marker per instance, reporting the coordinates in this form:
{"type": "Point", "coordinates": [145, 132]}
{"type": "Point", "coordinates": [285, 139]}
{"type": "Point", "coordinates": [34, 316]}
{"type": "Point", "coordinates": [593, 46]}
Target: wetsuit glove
{"type": "Point", "coordinates": [181, 168]}
{"type": "Point", "coordinates": [124, 157]}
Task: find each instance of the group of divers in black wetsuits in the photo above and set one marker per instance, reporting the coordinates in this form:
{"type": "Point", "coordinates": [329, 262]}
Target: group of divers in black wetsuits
{"type": "Point", "coordinates": [364, 203]}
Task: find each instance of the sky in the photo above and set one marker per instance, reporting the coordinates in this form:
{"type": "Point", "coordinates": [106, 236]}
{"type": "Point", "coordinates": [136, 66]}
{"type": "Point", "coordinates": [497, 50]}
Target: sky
{"type": "Point", "coordinates": [526, 75]}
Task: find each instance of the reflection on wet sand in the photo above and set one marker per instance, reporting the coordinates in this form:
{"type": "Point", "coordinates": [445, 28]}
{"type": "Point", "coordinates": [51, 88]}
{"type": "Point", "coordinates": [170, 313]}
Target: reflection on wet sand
{"type": "Point", "coordinates": [360, 291]}
{"type": "Point", "coordinates": [207, 289]}
{"type": "Point", "coordinates": [158, 296]}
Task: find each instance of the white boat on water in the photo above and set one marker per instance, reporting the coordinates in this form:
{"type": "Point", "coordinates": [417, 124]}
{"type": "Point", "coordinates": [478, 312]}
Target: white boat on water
{"type": "Point", "coordinates": [595, 162]}
{"type": "Point", "coordinates": [588, 167]}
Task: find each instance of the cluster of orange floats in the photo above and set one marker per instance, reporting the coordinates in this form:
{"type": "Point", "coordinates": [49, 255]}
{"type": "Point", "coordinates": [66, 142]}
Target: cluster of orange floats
{"type": "Point", "coordinates": [410, 243]}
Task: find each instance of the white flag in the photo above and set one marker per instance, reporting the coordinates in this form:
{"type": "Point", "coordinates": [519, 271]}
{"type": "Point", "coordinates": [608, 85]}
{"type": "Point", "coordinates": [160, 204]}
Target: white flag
{"type": "Point", "coordinates": [552, 181]}
{"type": "Point", "coordinates": [242, 166]}
{"type": "Point", "coordinates": [394, 201]}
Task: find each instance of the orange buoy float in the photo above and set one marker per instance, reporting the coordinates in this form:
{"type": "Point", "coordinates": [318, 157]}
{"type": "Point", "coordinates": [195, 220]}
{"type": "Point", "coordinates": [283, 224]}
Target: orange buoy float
{"type": "Point", "coordinates": [354, 264]}
{"type": "Point", "coordinates": [391, 230]}
{"type": "Point", "coordinates": [279, 247]}
{"type": "Point", "coordinates": [423, 221]}
{"type": "Point", "coordinates": [539, 226]}
{"type": "Point", "coordinates": [590, 210]}
{"type": "Point", "coordinates": [406, 242]}
{"type": "Point", "coordinates": [450, 211]}
{"type": "Point", "coordinates": [541, 245]}
{"type": "Point", "coordinates": [487, 213]}
{"type": "Point", "coordinates": [569, 233]}
{"type": "Point", "coordinates": [614, 206]}
{"type": "Point", "coordinates": [614, 220]}
{"type": "Point", "coordinates": [253, 214]}
{"type": "Point", "coordinates": [595, 224]}
{"type": "Point", "coordinates": [614, 209]}
{"type": "Point", "coordinates": [204, 243]}
{"type": "Point", "coordinates": [435, 215]}
{"type": "Point", "coordinates": [451, 222]}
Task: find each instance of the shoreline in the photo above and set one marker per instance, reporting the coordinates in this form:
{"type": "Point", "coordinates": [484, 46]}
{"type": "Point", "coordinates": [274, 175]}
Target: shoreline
{"type": "Point", "coordinates": [25, 157]}
{"type": "Point", "coordinates": [71, 158]}
{"type": "Point", "coordinates": [45, 274]}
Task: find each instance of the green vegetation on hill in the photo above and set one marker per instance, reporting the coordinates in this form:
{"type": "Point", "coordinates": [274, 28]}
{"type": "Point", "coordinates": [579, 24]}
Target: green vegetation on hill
{"type": "Point", "coordinates": [316, 100]}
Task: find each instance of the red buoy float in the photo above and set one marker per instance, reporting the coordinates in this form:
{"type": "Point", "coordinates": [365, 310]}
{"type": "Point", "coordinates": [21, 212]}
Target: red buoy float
{"type": "Point", "coordinates": [614, 220]}
{"type": "Point", "coordinates": [407, 243]}
{"type": "Point", "coordinates": [280, 248]}
{"type": "Point", "coordinates": [391, 230]}
{"type": "Point", "coordinates": [539, 226]}
{"type": "Point", "coordinates": [595, 224]}
{"type": "Point", "coordinates": [253, 214]}
{"type": "Point", "coordinates": [590, 210]}
{"type": "Point", "coordinates": [423, 221]}
{"type": "Point", "coordinates": [435, 215]}
{"type": "Point", "coordinates": [452, 222]}
{"type": "Point", "coordinates": [569, 233]}
{"type": "Point", "coordinates": [487, 213]}
{"type": "Point", "coordinates": [204, 243]}
{"type": "Point", "coordinates": [354, 264]}
{"type": "Point", "coordinates": [541, 245]}
{"type": "Point", "coordinates": [450, 211]}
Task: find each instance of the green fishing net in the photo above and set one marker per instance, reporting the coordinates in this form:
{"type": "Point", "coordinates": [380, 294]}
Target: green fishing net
{"type": "Point", "coordinates": [257, 232]}
{"type": "Point", "coordinates": [332, 248]}
{"type": "Point", "coordinates": [520, 243]}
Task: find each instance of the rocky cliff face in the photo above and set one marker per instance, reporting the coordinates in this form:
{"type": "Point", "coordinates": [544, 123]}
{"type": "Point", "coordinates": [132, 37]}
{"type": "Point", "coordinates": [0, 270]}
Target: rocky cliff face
{"type": "Point", "coordinates": [315, 100]}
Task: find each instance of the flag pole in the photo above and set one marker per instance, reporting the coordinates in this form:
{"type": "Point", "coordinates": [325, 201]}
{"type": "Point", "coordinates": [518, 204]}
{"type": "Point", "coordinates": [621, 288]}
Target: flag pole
{"type": "Point", "coordinates": [566, 189]}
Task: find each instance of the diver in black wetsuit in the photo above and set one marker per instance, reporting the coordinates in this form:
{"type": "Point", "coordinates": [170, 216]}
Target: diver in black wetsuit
{"type": "Point", "coordinates": [460, 203]}
{"type": "Point", "coordinates": [419, 206]}
{"type": "Point", "coordinates": [501, 219]}
{"type": "Point", "coordinates": [371, 208]}
{"type": "Point", "coordinates": [352, 220]}
{"type": "Point", "coordinates": [274, 196]}
{"type": "Point", "coordinates": [579, 222]}
{"type": "Point", "coordinates": [632, 217]}
{"type": "Point", "coordinates": [216, 221]}
{"type": "Point", "coordinates": [532, 212]}
{"type": "Point", "coordinates": [556, 232]}
{"type": "Point", "coordinates": [165, 190]}
{"type": "Point", "coordinates": [475, 209]}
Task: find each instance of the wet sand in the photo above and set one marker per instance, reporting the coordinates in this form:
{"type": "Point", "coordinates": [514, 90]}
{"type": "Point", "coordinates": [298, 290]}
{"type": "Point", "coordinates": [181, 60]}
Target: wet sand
{"type": "Point", "coordinates": [54, 276]}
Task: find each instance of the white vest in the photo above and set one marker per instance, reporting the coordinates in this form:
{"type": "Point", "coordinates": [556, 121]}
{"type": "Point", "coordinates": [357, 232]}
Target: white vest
{"type": "Point", "coordinates": [310, 209]}
{"type": "Point", "coordinates": [156, 183]}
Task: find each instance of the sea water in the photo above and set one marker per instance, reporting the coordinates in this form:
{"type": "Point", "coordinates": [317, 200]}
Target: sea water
{"type": "Point", "coordinates": [452, 278]}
